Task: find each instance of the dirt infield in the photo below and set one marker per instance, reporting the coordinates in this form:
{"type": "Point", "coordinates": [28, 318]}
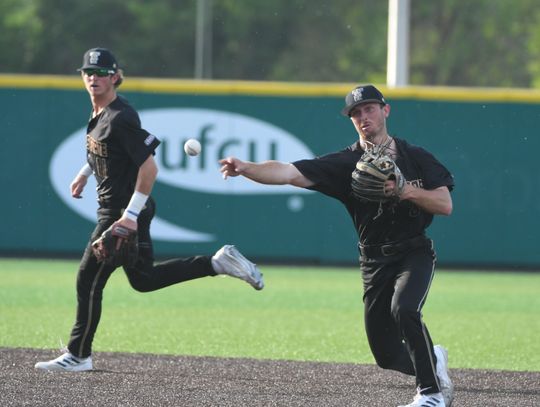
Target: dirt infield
{"type": "Point", "coordinates": [157, 380]}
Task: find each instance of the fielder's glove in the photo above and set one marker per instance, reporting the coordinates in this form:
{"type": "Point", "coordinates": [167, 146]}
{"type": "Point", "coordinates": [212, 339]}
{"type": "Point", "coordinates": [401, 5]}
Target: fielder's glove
{"type": "Point", "coordinates": [117, 246]}
{"type": "Point", "coordinates": [369, 178]}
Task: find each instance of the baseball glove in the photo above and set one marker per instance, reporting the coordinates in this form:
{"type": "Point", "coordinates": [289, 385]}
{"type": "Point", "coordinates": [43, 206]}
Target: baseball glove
{"type": "Point", "coordinates": [117, 246]}
{"type": "Point", "coordinates": [369, 178]}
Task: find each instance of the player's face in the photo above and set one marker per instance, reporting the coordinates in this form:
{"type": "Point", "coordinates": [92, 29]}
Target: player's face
{"type": "Point", "coordinates": [97, 84]}
{"type": "Point", "coordinates": [369, 119]}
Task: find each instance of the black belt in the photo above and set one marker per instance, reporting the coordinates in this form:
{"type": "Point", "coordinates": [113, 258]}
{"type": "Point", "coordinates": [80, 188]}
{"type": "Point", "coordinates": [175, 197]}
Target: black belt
{"type": "Point", "coordinates": [393, 248]}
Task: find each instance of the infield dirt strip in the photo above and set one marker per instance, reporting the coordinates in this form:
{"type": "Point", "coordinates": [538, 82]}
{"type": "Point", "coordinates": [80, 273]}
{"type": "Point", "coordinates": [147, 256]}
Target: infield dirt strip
{"type": "Point", "coordinates": [122, 379]}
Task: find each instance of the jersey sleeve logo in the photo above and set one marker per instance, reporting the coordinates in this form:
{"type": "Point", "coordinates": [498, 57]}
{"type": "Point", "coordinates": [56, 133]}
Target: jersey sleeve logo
{"type": "Point", "coordinates": [149, 139]}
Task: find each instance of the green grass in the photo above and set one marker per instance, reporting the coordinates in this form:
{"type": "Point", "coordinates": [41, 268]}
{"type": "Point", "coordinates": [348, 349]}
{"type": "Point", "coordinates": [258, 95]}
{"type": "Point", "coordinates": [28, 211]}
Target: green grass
{"type": "Point", "coordinates": [486, 319]}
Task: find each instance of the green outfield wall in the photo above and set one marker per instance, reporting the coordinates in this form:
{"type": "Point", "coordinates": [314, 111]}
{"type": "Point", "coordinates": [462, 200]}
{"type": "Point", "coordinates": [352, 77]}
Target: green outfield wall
{"type": "Point", "coordinates": [488, 138]}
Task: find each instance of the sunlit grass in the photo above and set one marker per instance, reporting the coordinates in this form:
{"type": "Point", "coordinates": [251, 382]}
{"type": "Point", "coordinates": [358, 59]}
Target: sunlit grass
{"type": "Point", "coordinates": [487, 320]}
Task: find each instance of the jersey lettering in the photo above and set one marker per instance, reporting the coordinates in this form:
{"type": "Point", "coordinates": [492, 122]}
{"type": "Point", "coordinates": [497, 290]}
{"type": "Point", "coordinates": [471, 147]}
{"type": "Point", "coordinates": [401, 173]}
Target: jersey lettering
{"type": "Point", "coordinates": [417, 183]}
{"type": "Point", "coordinates": [100, 153]}
{"type": "Point", "coordinates": [96, 147]}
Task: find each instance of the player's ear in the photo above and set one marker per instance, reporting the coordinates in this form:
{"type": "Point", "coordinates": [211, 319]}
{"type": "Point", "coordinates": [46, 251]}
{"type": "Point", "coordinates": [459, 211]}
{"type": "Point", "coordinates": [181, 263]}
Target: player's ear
{"type": "Point", "coordinates": [117, 78]}
{"type": "Point", "coordinates": [386, 110]}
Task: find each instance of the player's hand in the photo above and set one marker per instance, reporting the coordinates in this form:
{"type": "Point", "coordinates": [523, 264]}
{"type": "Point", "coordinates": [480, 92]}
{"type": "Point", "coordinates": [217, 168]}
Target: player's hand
{"type": "Point", "coordinates": [391, 189]}
{"type": "Point", "coordinates": [407, 190]}
{"type": "Point", "coordinates": [77, 186]}
{"type": "Point", "coordinates": [127, 223]}
{"type": "Point", "coordinates": [231, 167]}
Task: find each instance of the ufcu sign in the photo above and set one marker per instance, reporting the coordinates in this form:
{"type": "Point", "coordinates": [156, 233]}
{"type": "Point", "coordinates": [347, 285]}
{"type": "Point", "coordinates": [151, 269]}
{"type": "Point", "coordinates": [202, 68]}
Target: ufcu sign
{"type": "Point", "coordinates": [250, 149]}
{"type": "Point", "coordinates": [221, 134]}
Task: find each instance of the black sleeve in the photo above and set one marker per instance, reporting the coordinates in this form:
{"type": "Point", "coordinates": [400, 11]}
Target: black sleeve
{"type": "Point", "coordinates": [138, 142]}
{"type": "Point", "coordinates": [435, 174]}
{"type": "Point", "coordinates": [331, 173]}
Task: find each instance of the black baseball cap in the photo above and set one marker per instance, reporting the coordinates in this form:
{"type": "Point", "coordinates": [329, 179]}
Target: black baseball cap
{"type": "Point", "coordinates": [360, 95]}
{"type": "Point", "coordinates": [99, 58]}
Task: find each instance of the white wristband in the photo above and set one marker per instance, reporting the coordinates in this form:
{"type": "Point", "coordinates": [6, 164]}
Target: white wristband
{"type": "Point", "coordinates": [85, 170]}
{"type": "Point", "coordinates": [136, 205]}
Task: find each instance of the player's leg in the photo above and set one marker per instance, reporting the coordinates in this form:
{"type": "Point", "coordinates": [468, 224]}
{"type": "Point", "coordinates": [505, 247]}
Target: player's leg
{"type": "Point", "coordinates": [412, 287]}
{"type": "Point", "coordinates": [382, 332]}
{"type": "Point", "coordinates": [146, 276]}
{"type": "Point", "coordinates": [91, 280]}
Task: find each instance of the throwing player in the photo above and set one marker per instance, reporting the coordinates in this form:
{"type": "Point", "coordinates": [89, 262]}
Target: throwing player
{"type": "Point", "coordinates": [396, 258]}
{"type": "Point", "coordinates": [120, 156]}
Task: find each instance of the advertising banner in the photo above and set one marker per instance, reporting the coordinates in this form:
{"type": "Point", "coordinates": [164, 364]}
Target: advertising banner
{"type": "Point", "coordinates": [487, 141]}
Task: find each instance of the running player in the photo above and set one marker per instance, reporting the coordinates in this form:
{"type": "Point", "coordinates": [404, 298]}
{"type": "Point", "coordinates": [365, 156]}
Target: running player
{"type": "Point", "coordinates": [120, 156]}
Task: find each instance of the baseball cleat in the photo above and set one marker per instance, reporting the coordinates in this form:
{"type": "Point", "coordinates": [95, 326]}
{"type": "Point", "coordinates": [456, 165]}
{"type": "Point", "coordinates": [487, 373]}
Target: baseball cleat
{"type": "Point", "coordinates": [66, 363]}
{"type": "Point", "coordinates": [231, 262]}
{"type": "Point", "coordinates": [427, 400]}
{"type": "Point", "coordinates": [447, 387]}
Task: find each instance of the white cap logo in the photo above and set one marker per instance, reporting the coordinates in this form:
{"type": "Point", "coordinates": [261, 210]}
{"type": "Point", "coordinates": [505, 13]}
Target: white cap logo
{"type": "Point", "coordinates": [94, 57]}
{"type": "Point", "coordinates": [357, 94]}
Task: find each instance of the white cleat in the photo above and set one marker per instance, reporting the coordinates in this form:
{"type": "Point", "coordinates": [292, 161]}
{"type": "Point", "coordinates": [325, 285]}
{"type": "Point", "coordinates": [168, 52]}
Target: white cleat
{"type": "Point", "coordinates": [231, 262]}
{"type": "Point", "coordinates": [427, 400]}
{"type": "Point", "coordinates": [447, 387]}
{"type": "Point", "coordinates": [66, 363]}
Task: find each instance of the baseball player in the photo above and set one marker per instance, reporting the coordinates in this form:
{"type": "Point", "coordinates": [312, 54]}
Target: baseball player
{"type": "Point", "coordinates": [396, 258]}
{"type": "Point", "coordinates": [120, 156]}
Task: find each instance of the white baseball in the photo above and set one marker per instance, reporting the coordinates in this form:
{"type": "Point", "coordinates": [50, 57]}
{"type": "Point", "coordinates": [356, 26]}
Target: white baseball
{"type": "Point", "coordinates": [192, 147]}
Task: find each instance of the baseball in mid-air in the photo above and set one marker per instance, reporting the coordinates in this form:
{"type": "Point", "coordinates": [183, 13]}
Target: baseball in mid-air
{"type": "Point", "coordinates": [192, 147]}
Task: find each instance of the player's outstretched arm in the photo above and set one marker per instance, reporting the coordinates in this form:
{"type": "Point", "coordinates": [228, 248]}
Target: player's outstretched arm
{"type": "Point", "coordinates": [267, 172]}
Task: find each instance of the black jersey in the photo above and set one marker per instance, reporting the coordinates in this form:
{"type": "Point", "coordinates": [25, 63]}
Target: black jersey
{"type": "Point", "coordinates": [378, 223]}
{"type": "Point", "coordinates": [116, 147]}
